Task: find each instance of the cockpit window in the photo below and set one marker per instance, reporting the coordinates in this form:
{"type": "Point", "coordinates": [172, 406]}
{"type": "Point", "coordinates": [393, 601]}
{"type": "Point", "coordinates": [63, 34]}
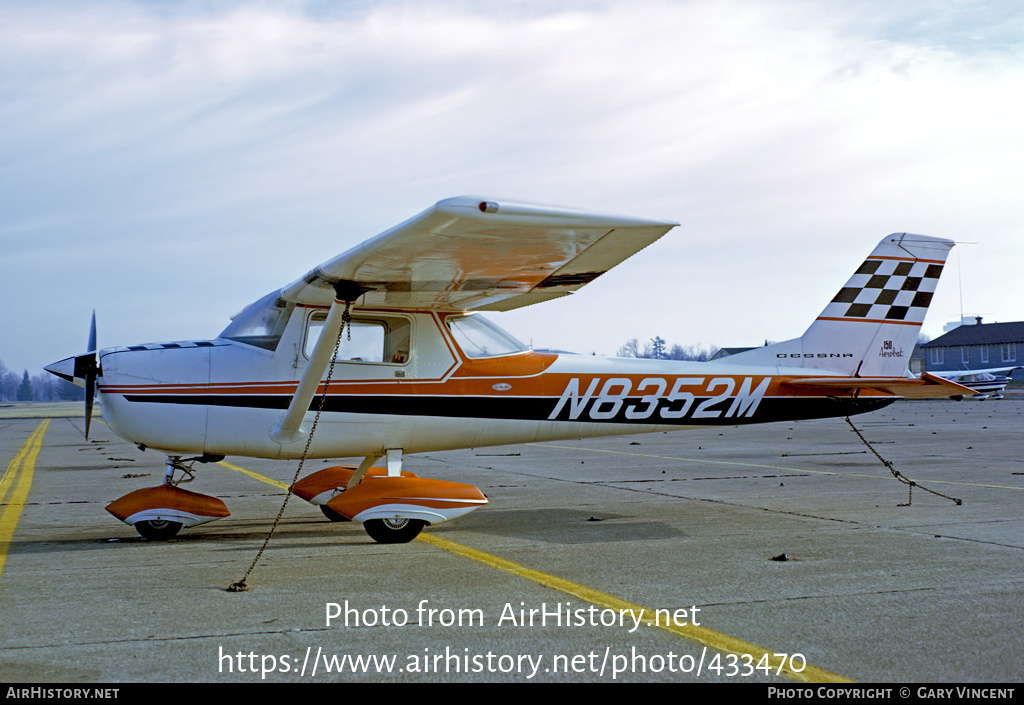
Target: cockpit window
{"type": "Point", "coordinates": [384, 339]}
{"type": "Point", "coordinates": [260, 323]}
{"type": "Point", "coordinates": [478, 337]}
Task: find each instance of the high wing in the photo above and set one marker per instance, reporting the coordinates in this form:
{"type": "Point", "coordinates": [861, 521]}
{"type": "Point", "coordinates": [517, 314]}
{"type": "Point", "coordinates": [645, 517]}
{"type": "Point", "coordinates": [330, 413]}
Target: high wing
{"type": "Point", "coordinates": [474, 253]}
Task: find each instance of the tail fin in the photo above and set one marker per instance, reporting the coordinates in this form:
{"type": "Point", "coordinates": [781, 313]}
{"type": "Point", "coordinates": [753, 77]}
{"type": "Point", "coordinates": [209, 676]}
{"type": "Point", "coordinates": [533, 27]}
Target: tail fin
{"type": "Point", "coordinates": [870, 327]}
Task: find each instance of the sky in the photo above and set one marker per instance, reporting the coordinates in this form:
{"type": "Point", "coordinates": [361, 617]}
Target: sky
{"type": "Point", "coordinates": [167, 163]}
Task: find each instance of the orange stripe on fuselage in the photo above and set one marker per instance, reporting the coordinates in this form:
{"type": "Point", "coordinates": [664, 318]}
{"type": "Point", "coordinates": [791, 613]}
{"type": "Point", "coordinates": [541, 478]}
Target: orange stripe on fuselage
{"type": "Point", "coordinates": [526, 364]}
{"type": "Point", "coordinates": [544, 385]}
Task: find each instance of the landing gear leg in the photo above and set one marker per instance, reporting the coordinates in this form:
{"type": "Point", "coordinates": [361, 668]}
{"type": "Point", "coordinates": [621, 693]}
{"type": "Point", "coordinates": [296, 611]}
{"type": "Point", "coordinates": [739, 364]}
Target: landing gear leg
{"type": "Point", "coordinates": [394, 456]}
{"type": "Point", "coordinates": [174, 463]}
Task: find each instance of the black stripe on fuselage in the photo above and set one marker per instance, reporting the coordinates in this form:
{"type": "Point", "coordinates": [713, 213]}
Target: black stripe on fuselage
{"type": "Point", "coordinates": [534, 408]}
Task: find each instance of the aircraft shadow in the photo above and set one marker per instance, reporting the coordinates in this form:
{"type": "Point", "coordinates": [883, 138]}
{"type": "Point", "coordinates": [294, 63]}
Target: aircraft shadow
{"type": "Point", "coordinates": [552, 526]}
{"type": "Point", "coordinates": [565, 526]}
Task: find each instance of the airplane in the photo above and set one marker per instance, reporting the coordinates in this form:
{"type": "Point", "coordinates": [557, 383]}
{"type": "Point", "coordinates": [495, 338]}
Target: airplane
{"type": "Point", "coordinates": [989, 381]}
{"type": "Point", "coordinates": [384, 350]}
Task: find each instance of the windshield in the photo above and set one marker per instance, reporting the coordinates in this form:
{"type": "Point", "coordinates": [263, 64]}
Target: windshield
{"type": "Point", "coordinates": [478, 337]}
{"type": "Point", "coordinates": [260, 323]}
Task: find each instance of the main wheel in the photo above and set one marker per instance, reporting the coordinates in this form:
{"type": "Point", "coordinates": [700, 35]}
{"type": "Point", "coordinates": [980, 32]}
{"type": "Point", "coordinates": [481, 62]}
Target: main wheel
{"type": "Point", "coordinates": [158, 529]}
{"type": "Point", "coordinates": [333, 515]}
{"type": "Point", "coordinates": [393, 530]}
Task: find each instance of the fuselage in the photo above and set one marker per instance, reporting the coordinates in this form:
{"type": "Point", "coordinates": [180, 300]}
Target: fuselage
{"type": "Point", "coordinates": [427, 381]}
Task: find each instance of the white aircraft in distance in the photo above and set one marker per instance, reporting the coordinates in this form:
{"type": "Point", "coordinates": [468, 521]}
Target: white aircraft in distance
{"type": "Point", "coordinates": [418, 370]}
{"type": "Point", "coordinates": [990, 381]}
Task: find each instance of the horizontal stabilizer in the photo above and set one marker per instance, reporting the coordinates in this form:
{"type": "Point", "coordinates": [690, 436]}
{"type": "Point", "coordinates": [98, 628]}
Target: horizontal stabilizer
{"type": "Point", "coordinates": [928, 386]}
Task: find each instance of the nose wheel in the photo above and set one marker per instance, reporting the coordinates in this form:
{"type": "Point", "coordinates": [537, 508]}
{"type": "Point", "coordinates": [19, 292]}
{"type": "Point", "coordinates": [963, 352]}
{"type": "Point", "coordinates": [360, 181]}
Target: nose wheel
{"type": "Point", "coordinates": [158, 529]}
{"type": "Point", "coordinates": [159, 513]}
{"type": "Point", "coordinates": [393, 530]}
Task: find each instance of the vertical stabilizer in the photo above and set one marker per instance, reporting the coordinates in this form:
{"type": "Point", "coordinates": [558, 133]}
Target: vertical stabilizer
{"type": "Point", "coordinates": [870, 327]}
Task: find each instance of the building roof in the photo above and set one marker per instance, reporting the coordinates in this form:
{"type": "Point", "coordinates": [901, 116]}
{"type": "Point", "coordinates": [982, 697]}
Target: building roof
{"type": "Point", "coordinates": [981, 334]}
{"type": "Point", "coordinates": [726, 352]}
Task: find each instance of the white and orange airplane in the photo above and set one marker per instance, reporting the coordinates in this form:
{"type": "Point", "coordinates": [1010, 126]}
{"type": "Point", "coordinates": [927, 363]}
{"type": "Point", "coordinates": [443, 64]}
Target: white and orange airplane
{"type": "Point", "coordinates": [417, 369]}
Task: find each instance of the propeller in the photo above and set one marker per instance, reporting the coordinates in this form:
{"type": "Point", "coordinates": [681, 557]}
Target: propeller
{"type": "Point", "coordinates": [91, 368]}
{"type": "Point", "coordinates": [83, 371]}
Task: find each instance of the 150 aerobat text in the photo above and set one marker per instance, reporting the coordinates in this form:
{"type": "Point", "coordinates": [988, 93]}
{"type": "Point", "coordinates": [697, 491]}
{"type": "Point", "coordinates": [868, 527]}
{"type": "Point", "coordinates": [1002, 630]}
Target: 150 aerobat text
{"type": "Point", "coordinates": [686, 397]}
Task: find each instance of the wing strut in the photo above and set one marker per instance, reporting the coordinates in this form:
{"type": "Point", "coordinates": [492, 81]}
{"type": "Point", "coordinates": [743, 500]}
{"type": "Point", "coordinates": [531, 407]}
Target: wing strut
{"type": "Point", "coordinates": [291, 425]}
{"type": "Point", "coordinates": [290, 428]}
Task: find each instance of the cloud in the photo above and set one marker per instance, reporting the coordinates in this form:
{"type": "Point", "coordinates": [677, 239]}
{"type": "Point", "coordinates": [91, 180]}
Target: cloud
{"type": "Point", "coordinates": [169, 163]}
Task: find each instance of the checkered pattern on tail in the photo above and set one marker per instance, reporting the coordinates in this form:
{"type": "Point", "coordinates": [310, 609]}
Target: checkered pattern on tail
{"type": "Point", "coordinates": [889, 289]}
{"type": "Point", "coordinates": [869, 328]}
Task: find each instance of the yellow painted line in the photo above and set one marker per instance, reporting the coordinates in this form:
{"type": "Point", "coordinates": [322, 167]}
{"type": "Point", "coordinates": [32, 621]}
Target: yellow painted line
{"type": "Point", "coordinates": [702, 635]}
{"type": "Point", "coordinates": [250, 473]}
{"type": "Point", "coordinates": [19, 476]}
{"type": "Point", "coordinates": [765, 467]}
{"type": "Point", "coordinates": [11, 473]}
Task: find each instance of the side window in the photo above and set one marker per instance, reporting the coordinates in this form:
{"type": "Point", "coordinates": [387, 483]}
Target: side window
{"type": "Point", "coordinates": [478, 337]}
{"type": "Point", "coordinates": [365, 340]}
{"type": "Point", "coordinates": [936, 356]}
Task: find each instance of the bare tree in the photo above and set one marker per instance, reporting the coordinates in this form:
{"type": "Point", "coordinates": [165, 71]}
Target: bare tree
{"type": "Point", "coordinates": [9, 385]}
{"type": "Point", "coordinates": [630, 349]}
{"type": "Point", "coordinates": [66, 391]}
{"type": "Point", "coordinates": [43, 387]}
{"type": "Point", "coordinates": [657, 348]}
{"type": "Point", "coordinates": [693, 352]}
